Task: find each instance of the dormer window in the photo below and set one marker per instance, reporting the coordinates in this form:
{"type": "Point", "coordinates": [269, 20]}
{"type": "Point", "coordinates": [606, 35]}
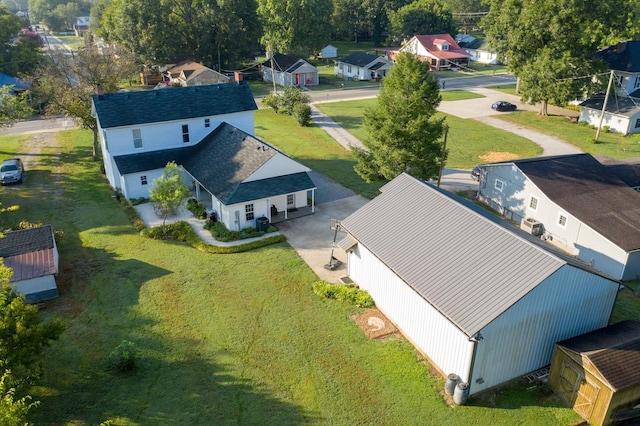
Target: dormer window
{"type": "Point", "coordinates": [137, 138]}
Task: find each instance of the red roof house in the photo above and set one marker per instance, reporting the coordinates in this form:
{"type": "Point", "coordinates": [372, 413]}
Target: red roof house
{"type": "Point", "coordinates": [441, 50]}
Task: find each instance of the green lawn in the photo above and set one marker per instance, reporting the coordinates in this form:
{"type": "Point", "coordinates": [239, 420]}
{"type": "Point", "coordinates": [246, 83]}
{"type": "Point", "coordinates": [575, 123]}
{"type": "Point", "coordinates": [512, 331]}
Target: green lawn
{"type": "Point", "coordinates": [610, 144]}
{"type": "Point", "coordinates": [72, 41]}
{"type": "Point", "coordinates": [222, 339]}
{"type": "Point", "coordinates": [469, 142]}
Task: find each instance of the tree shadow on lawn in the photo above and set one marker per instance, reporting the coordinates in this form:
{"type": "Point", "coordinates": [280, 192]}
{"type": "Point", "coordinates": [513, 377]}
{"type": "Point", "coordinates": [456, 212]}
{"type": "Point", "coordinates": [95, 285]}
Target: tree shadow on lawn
{"type": "Point", "coordinates": [179, 379]}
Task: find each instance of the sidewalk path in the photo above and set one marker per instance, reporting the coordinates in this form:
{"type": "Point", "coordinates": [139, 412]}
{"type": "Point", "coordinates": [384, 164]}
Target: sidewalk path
{"type": "Point", "coordinates": [334, 130]}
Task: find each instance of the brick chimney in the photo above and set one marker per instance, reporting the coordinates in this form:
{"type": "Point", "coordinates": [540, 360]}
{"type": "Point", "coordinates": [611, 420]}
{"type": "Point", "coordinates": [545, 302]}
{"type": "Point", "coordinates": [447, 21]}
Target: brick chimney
{"type": "Point", "coordinates": [100, 92]}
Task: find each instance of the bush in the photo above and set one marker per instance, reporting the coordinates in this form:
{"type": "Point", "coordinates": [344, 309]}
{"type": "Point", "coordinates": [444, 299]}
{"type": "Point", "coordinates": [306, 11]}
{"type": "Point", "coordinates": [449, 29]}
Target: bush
{"type": "Point", "coordinates": [302, 114]}
{"type": "Point", "coordinates": [197, 208]}
{"type": "Point", "coordinates": [123, 358]}
{"type": "Point", "coordinates": [273, 101]}
{"type": "Point", "coordinates": [290, 97]}
{"type": "Point", "coordinates": [347, 293]}
{"type": "Point", "coordinates": [177, 231]}
{"type": "Point", "coordinates": [220, 232]}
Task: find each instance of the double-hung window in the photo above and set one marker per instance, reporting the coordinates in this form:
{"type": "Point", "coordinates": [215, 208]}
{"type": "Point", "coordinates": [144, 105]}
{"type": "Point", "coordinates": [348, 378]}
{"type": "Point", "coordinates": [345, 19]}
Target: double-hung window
{"type": "Point", "coordinates": [248, 211]}
{"type": "Point", "coordinates": [185, 133]}
{"type": "Point", "coordinates": [137, 138]}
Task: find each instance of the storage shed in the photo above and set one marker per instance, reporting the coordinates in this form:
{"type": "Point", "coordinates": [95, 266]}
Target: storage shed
{"type": "Point", "coordinates": [478, 297]}
{"type": "Point", "coordinates": [329, 51]}
{"type": "Point", "coordinates": [598, 373]}
{"type": "Point", "coordinates": [32, 254]}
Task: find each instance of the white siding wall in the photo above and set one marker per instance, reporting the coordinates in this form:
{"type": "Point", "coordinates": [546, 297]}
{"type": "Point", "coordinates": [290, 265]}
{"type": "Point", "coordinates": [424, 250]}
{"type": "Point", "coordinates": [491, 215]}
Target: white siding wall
{"type": "Point", "coordinates": [36, 285]}
{"type": "Point", "coordinates": [165, 135]}
{"type": "Point", "coordinates": [521, 340]}
{"type": "Point", "coordinates": [575, 238]}
{"type": "Point", "coordinates": [616, 123]}
{"type": "Point", "coordinates": [277, 165]}
{"type": "Point", "coordinates": [133, 188]}
{"type": "Point", "coordinates": [632, 270]}
{"type": "Point", "coordinates": [433, 334]}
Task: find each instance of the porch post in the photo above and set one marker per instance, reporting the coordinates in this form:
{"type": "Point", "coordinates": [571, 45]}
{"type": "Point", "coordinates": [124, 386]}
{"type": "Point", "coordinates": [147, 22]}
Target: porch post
{"type": "Point", "coordinates": [286, 209]}
{"type": "Point", "coordinates": [313, 201]}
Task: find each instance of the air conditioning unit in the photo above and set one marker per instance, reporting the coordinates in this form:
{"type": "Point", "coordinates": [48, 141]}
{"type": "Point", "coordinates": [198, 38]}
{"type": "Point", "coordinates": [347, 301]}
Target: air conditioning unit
{"type": "Point", "coordinates": [532, 226]}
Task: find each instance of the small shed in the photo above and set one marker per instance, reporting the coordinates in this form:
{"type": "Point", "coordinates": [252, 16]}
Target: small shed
{"type": "Point", "coordinates": [329, 52]}
{"type": "Point", "coordinates": [598, 373]}
{"type": "Point", "coordinates": [32, 254]}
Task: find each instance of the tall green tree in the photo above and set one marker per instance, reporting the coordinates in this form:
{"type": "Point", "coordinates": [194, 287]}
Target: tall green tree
{"type": "Point", "coordinates": [13, 107]}
{"type": "Point", "coordinates": [403, 133]}
{"type": "Point", "coordinates": [420, 17]}
{"type": "Point", "coordinates": [20, 52]}
{"type": "Point", "coordinates": [549, 45]}
{"type": "Point", "coordinates": [168, 191]}
{"type": "Point", "coordinates": [67, 83]}
{"type": "Point", "coordinates": [295, 26]}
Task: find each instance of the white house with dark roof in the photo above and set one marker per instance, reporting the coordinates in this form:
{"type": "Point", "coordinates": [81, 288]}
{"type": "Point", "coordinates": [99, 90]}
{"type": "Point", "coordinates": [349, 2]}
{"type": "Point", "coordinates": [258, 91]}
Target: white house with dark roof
{"type": "Point", "coordinates": [622, 113]}
{"type": "Point", "coordinates": [362, 66]}
{"type": "Point", "coordinates": [584, 207]}
{"type": "Point", "coordinates": [209, 131]}
{"type": "Point", "coordinates": [289, 71]}
{"type": "Point", "coordinates": [32, 254]}
{"type": "Point", "coordinates": [190, 73]}
{"type": "Point", "coordinates": [478, 297]}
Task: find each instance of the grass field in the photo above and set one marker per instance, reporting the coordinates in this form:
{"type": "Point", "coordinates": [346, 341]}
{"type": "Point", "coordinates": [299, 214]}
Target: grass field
{"type": "Point", "coordinates": [469, 142]}
{"type": "Point", "coordinates": [222, 339]}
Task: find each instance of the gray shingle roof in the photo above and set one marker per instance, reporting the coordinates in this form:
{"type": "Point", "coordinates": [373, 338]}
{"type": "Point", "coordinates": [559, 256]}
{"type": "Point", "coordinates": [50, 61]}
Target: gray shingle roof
{"type": "Point", "coordinates": [624, 56]}
{"type": "Point", "coordinates": [590, 192]}
{"type": "Point", "coordinates": [627, 169]}
{"type": "Point", "coordinates": [613, 350]}
{"type": "Point", "coordinates": [624, 106]}
{"type": "Point", "coordinates": [29, 252]}
{"type": "Point", "coordinates": [176, 103]}
{"type": "Point", "coordinates": [284, 63]}
{"type": "Point", "coordinates": [360, 59]}
{"type": "Point", "coordinates": [463, 260]}
{"type": "Point", "coordinates": [221, 162]}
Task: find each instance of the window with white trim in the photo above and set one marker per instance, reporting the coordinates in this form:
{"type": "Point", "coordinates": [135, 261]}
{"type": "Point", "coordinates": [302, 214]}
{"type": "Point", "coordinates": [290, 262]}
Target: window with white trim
{"type": "Point", "coordinates": [185, 133]}
{"type": "Point", "coordinates": [563, 218]}
{"type": "Point", "coordinates": [636, 84]}
{"type": "Point", "coordinates": [291, 200]}
{"type": "Point", "coordinates": [207, 122]}
{"type": "Point", "coordinates": [499, 185]}
{"type": "Point", "coordinates": [143, 180]}
{"type": "Point", "coordinates": [248, 211]}
{"type": "Point", "coordinates": [137, 138]}
{"type": "Point", "coordinates": [533, 203]}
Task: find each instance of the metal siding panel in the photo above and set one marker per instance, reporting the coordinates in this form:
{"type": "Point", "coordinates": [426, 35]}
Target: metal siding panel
{"type": "Point", "coordinates": [455, 257]}
{"type": "Point", "coordinates": [569, 303]}
{"type": "Point", "coordinates": [445, 345]}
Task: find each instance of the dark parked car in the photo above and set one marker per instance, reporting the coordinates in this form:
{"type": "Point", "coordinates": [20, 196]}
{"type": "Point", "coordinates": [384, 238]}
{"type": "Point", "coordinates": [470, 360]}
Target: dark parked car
{"type": "Point", "coordinates": [503, 106]}
{"type": "Point", "coordinates": [11, 171]}
{"type": "Point", "coordinates": [475, 173]}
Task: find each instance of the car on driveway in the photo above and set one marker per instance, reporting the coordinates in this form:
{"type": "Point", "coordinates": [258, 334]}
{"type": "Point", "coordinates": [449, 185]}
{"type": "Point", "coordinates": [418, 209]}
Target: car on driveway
{"type": "Point", "coordinates": [475, 173]}
{"type": "Point", "coordinates": [503, 106]}
{"type": "Point", "coordinates": [11, 171]}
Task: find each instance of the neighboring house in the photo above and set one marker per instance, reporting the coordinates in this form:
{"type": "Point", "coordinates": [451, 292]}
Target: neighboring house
{"type": "Point", "coordinates": [208, 130]}
{"type": "Point", "coordinates": [32, 254]}
{"type": "Point", "coordinates": [191, 73]}
{"type": "Point", "coordinates": [329, 52]}
{"type": "Point", "coordinates": [573, 202]}
{"type": "Point", "coordinates": [81, 27]}
{"type": "Point", "coordinates": [478, 49]}
{"type": "Point", "coordinates": [440, 50]}
{"type": "Point", "coordinates": [18, 84]}
{"type": "Point", "coordinates": [363, 66]}
{"type": "Point", "coordinates": [478, 297]}
{"type": "Point", "coordinates": [597, 373]}
{"type": "Point", "coordinates": [622, 112]}
{"type": "Point", "coordinates": [289, 71]}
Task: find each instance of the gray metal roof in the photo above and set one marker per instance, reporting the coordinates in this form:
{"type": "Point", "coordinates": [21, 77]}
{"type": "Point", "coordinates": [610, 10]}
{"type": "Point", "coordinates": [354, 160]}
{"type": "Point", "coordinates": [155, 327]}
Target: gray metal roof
{"type": "Point", "coordinates": [461, 259]}
{"type": "Point", "coordinates": [175, 103]}
{"type": "Point", "coordinates": [29, 252]}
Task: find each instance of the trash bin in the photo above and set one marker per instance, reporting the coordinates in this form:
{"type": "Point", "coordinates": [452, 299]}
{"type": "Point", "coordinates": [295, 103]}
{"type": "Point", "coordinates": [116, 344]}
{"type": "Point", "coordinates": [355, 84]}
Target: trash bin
{"type": "Point", "coordinates": [262, 224]}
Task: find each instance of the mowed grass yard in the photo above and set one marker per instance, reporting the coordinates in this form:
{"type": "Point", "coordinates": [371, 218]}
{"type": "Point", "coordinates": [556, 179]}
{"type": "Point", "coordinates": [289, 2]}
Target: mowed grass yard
{"type": "Point", "coordinates": [469, 142]}
{"type": "Point", "coordinates": [222, 339]}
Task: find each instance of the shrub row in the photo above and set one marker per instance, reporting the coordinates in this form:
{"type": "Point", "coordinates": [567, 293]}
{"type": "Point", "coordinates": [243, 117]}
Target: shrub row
{"type": "Point", "coordinates": [220, 232]}
{"type": "Point", "coordinates": [197, 208]}
{"type": "Point", "coordinates": [347, 293]}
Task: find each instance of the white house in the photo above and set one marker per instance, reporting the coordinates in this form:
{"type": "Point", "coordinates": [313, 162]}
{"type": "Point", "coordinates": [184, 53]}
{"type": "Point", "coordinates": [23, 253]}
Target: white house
{"type": "Point", "coordinates": [478, 49]}
{"type": "Point", "coordinates": [289, 71]}
{"type": "Point", "coordinates": [190, 73]}
{"type": "Point", "coordinates": [329, 52]}
{"type": "Point", "coordinates": [208, 130]}
{"type": "Point", "coordinates": [622, 113]}
{"type": "Point", "coordinates": [363, 66]}
{"type": "Point", "coordinates": [32, 254]}
{"type": "Point", "coordinates": [578, 204]}
{"type": "Point", "coordinates": [478, 297]}
{"type": "Point", "coordinates": [440, 50]}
